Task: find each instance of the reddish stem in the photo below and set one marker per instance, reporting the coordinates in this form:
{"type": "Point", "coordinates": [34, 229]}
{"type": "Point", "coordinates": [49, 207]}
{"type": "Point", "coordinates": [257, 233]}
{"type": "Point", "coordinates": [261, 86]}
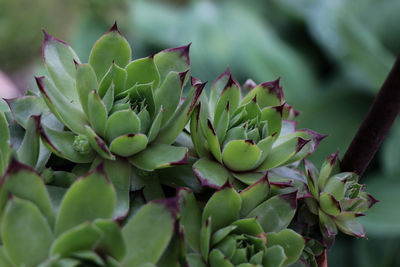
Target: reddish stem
{"type": "Point", "coordinates": [376, 124]}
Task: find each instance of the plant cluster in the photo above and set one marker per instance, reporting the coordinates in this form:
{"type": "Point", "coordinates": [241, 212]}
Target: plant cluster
{"type": "Point", "coordinates": [113, 163]}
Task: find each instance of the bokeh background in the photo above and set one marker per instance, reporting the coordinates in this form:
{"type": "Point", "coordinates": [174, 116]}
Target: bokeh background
{"type": "Point", "coordinates": [332, 57]}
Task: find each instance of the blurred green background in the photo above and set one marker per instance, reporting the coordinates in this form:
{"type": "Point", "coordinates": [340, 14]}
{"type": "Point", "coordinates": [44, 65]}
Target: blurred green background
{"type": "Point", "coordinates": [332, 57]}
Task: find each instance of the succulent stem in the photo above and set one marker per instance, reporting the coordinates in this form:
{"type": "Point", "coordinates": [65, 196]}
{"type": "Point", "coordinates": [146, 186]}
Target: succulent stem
{"type": "Point", "coordinates": [376, 124]}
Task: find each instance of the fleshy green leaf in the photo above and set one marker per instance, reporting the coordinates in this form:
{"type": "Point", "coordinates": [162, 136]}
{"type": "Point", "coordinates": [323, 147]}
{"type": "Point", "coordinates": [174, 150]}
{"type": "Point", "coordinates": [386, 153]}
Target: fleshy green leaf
{"type": "Point", "coordinates": [273, 115]}
{"type": "Point", "coordinates": [26, 234]}
{"type": "Point", "coordinates": [223, 208]}
{"type": "Point", "coordinates": [229, 94]}
{"type": "Point", "coordinates": [254, 195]}
{"type": "Point", "coordinates": [120, 123]}
{"type": "Point", "coordinates": [276, 213]}
{"type": "Point", "coordinates": [28, 152]}
{"type": "Point", "coordinates": [158, 156]}
{"type": "Point", "coordinates": [205, 238]}
{"type": "Point", "coordinates": [145, 242]}
{"type": "Point", "coordinates": [86, 82]}
{"type": "Point", "coordinates": [290, 241]}
{"type": "Point", "coordinates": [196, 132]}
{"type": "Point", "coordinates": [194, 260]}
{"type": "Point", "coordinates": [59, 59]}
{"type": "Point", "coordinates": [217, 259]}
{"type": "Point", "coordinates": [111, 47]}
{"type": "Point", "coordinates": [23, 182]}
{"type": "Point", "coordinates": [70, 115]}
{"type": "Point", "coordinates": [112, 242]}
{"type": "Point", "coordinates": [249, 226]}
{"type": "Point", "coordinates": [119, 172]}
{"type": "Point", "coordinates": [282, 153]}
{"type": "Point", "coordinates": [62, 144]}
{"type": "Point", "coordinates": [142, 71]}
{"type": "Point", "coordinates": [213, 143]}
{"type": "Point", "coordinates": [190, 218]}
{"type": "Point", "coordinates": [4, 143]}
{"type": "Point", "coordinates": [84, 236]}
{"type": "Point", "coordinates": [5, 261]}
{"type": "Point", "coordinates": [211, 173]}
{"type": "Point", "coordinates": [90, 197]}
{"type": "Point", "coordinates": [329, 204]}
{"type": "Point", "coordinates": [217, 88]}
{"type": "Point", "coordinates": [173, 59]}
{"type": "Point", "coordinates": [267, 94]}
{"type": "Point", "coordinates": [97, 113]}
{"type": "Point", "coordinates": [128, 145]}
{"type": "Point", "coordinates": [241, 155]}
{"type": "Point", "coordinates": [98, 144]}
{"type": "Point", "coordinates": [348, 224]}
{"type": "Point", "coordinates": [180, 118]}
{"type": "Point", "coordinates": [169, 94]}
{"type": "Point", "coordinates": [329, 168]}
{"type": "Point", "coordinates": [115, 76]}
{"type": "Point", "coordinates": [275, 256]}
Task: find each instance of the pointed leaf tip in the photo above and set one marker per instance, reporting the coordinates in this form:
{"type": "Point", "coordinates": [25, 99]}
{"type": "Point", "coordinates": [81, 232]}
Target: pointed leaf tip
{"type": "Point", "coordinates": [301, 143]}
{"type": "Point", "coordinates": [182, 76]}
{"type": "Point", "coordinates": [231, 81]}
{"type": "Point", "coordinates": [197, 93]}
{"type": "Point", "coordinates": [114, 28]}
{"type": "Point", "coordinates": [274, 87]}
{"type": "Point", "coordinates": [290, 198]}
{"type": "Point", "coordinates": [280, 108]}
{"type": "Point", "coordinates": [15, 166]}
{"type": "Point", "coordinates": [184, 51]}
{"type": "Point", "coordinates": [182, 161]}
{"type": "Point", "coordinates": [171, 204]}
{"type": "Point", "coordinates": [194, 81]}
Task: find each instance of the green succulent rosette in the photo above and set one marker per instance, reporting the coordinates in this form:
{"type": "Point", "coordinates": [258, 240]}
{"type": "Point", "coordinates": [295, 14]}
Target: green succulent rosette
{"type": "Point", "coordinates": [240, 229]}
{"type": "Point", "coordinates": [336, 198]}
{"type": "Point", "coordinates": [240, 138]}
{"type": "Point", "coordinates": [112, 106]}
{"type": "Point", "coordinates": [49, 226]}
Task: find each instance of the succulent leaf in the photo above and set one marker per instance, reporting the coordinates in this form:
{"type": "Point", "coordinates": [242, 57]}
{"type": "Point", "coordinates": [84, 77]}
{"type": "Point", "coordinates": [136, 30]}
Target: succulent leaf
{"type": "Point", "coordinates": [111, 47]}
{"type": "Point", "coordinates": [59, 60]}
{"type": "Point", "coordinates": [173, 59]}
{"type": "Point", "coordinates": [254, 195]}
{"type": "Point", "coordinates": [290, 241]}
{"type": "Point", "coordinates": [146, 243]}
{"type": "Point", "coordinates": [210, 172]}
{"type": "Point", "coordinates": [115, 76]}
{"type": "Point", "coordinates": [223, 208]}
{"type": "Point", "coordinates": [23, 182]}
{"type": "Point", "coordinates": [28, 152]}
{"type": "Point", "coordinates": [119, 172]}
{"type": "Point", "coordinates": [86, 82]}
{"type": "Point", "coordinates": [112, 242]}
{"type": "Point", "coordinates": [141, 71]}
{"type": "Point", "coordinates": [97, 112]}
{"type": "Point", "coordinates": [90, 197]}
{"type": "Point", "coordinates": [190, 218]}
{"type": "Point", "coordinates": [25, 232]}
{"type": "Point", "coordinates": [128, 145]}
{"type": "Point", "coordinates": [81, 237]}
{"type": "Point", "coordinates": [158, 156]}
{"type": "Point", "coordinates": [120, 123]}
{"type": "Point", "coordinates": [169, 94]}
{"type": "Point", "coordinates": [276, 213]}
{"type": "Point", "coordinates": [241, 155]}
{"type": "Point", "coordinates": [62, 144]}
{"type": "Point", "coordinates": [70, 115]}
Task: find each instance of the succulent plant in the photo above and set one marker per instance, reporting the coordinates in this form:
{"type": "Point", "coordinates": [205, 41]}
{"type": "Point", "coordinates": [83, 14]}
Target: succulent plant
{"type": "Point", "coordinates": [79, 231]}
{"type": "Point", "coordinates": [84, 178]}
{"type": "Point", "coordinates": [110, 108]}
{"type": "Point", "coordinates": [240, 229]}
{"type": "Point", "coordinates": [336, 198]}
{"type": "Point", "coordinates": [243, 137]}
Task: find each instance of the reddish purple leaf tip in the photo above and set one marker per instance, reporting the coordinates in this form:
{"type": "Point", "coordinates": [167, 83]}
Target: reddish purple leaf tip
{"type": "Point", "coordinates": [290, 198]}
{"type": "Point", "coordinates": [301, 143]}
{"type": "Point", "coordinates": [114, 28]}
